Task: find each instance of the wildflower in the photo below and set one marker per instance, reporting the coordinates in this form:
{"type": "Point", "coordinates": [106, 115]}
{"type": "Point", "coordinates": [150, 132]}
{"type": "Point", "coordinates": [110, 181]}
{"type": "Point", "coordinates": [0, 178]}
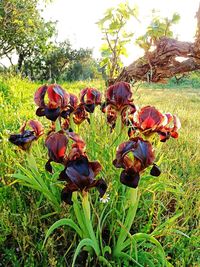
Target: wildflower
{"type": "Point", "coordinates": [58, 99]}
{"type": "Point", "coordinates": [56, 144]}
{"type": "Point", "coordinates": [118, 99]}
{"type": "Point", "coordinates": [79, 172]}
{"type": "Point", "coordinates": [26, 137]}
{"type": "Point", "coordinates": [149, 120]}
{"type": "Point", "coordinates": [105, 198]}
{"type": "Point", "coordinates": [90, 97]}
{"type": "Point", "coordinates": [119, 95]}
{"type": "Point", "coordinates": [134, 156]}
{"type": "Point", "coordinates": [80, 114]}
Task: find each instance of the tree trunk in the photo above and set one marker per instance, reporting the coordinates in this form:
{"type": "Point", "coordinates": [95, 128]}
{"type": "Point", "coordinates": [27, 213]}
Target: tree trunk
{"type": "Point", "coordinates": [20, 62]}
{"type": "Point", "coordinates": [169, 58]}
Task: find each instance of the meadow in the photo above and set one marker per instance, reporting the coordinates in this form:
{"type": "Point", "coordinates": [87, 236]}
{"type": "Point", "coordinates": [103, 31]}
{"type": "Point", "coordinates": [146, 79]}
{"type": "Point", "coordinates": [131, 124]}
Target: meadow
{"type": "Point", "coordinates": [169, 204]}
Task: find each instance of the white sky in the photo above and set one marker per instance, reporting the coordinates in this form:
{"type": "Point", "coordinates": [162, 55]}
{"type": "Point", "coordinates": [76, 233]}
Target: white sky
{"type": "Point", "coordinates": [77, 18]}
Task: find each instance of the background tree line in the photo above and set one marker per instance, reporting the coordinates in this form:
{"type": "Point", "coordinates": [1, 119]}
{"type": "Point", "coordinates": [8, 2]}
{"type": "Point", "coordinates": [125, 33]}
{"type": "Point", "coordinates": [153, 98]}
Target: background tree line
{"type": "Point", "coordinates": [24, 33]}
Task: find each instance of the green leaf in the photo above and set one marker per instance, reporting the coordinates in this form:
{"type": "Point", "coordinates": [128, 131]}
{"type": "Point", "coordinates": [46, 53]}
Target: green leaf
{"type": "Point", "coordinates": [176, 17]}
{"type": "Point", "coordinates": [85, 242]}
{"type": "Point", "coordinates": [60, 223]}
{"type": "Point", "coordinates": [105, 261]}
{"type": "Point", "coordinates": [129, 258]}
{"type": "Point", "coordinates": [143, 236]}
{"type": "Point", "coordinates": [107, 249]}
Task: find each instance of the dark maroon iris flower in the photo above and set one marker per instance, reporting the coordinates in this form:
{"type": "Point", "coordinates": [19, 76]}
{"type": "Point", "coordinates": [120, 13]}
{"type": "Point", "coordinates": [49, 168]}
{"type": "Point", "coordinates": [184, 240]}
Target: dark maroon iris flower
{"type": "Point", "coordinates": [80, 175]}
{"type": "Point", "coordinates": [80, 114]}
{"type": "Point", "coordinates": [56, 144]}
{"type": "Point", "coordinates": [26, 137]}
{"type": "Point", "coordinates": [134, 156]}
{"type": "Point", "coordinates": [58, 100]}
{"type": "Point", "coordinates": [73, 103]}
{"type": "Point", "coordinates": [118, 99]}
{"type": "Point", "coordinates": [90, 98]}
{"type": "Point", "coordinates": [149, 120]}
{"type": "Point", "coordinates": [79, 172]}
{"type": "Point", "coordinates": [119, 95]}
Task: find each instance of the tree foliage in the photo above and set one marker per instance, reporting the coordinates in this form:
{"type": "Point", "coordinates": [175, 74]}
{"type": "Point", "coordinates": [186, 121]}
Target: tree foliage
{"type": "Point", "coordinates": [22, 29]}
{"type": "Point", "coordinates": [60, 61]}
{"type": "Point", "coordinates": [159, 27]}
{"type": "Point", "coordinates": [115, 36]}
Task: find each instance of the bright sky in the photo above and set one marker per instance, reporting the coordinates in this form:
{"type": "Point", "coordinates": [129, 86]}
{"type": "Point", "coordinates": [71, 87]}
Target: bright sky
{"type": "Point", "coordinates": [77, 18]}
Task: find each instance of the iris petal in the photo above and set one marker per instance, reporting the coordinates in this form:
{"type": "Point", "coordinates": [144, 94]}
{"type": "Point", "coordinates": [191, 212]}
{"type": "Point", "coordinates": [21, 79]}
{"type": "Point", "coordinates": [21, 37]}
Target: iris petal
{"type": "Point", "coordinates": [101, 186]}
{"type": "Point", "coordinates": [155, 171]}
{"type": "Point", "coordinates": [39, 96]}
{"type": "Point", "coordinates": [40, 112]}
{"type": "Point", "coordinates": [90, 108]}
{"type": "Point", "coordinates": [119, 94]}
{"type": "Point", "coordinates": [130, 178]}
{"type": "Point", "coordinates": [56, 144]}
{"type": "Point", "coordinates": [81, 165]}
{"type": "Point", "coordinates": [66, 194]}
{"type": "Point", "coordinates": [23, 140]}
{"type": "Point", "coordinates": [48, 166]}
{"type": "Point", "coordinates": [37, 127]}
{"type": "Point", "coordinates": [52, 114]}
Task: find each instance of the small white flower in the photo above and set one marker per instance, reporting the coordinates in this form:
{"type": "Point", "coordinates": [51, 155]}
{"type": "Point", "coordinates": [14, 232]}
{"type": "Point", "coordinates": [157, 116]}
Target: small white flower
{"type": "Point", "coordinates": [105, 198]}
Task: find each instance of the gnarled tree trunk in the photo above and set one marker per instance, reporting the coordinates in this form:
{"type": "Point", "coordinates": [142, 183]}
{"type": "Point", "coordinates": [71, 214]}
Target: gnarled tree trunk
{"type": "Point", "coordinates": [164, 62]}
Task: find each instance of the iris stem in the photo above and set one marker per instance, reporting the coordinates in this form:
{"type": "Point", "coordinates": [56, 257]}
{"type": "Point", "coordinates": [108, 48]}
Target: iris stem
{"type": "Point", "coordinates": [79, 215]}
{"type": "Point", "coordinates": [88, 222]}
{"type": "Point", "coordinates": [72, 125]}
{"type": "Point", "coordinates": [133, 199]}
{"type": "Point", "coordinates": [58, 124]}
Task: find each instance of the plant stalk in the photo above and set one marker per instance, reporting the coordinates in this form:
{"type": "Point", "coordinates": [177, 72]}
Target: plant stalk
{"type": "Point", "coordinates": [88, 223]}
{"type": "Point", "coordinates": [133, 199]}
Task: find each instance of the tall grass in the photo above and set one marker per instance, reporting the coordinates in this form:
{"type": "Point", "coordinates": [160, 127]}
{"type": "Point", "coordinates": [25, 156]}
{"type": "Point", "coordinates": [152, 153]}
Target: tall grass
{"type": "Point", "coordinates": [169, 204]}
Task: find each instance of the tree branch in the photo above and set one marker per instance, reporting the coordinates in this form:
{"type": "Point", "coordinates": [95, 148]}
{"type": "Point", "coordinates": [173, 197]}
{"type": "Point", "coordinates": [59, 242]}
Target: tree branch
{"type": "Point", "coordinates": [162, 63]}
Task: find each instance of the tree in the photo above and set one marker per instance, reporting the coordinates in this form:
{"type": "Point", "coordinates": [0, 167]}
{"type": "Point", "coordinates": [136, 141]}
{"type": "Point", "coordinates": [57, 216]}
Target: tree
{"type": "Point", "coordinates": [56, 62]}
{"type": "Point", "coordinates": [84, 69]}
{"type": "Point", "coordinates": [22, 29]}
{"type": "Point", "coordinates": [113, 27]}
{"type": "Point", "coordinates": [161, 60]}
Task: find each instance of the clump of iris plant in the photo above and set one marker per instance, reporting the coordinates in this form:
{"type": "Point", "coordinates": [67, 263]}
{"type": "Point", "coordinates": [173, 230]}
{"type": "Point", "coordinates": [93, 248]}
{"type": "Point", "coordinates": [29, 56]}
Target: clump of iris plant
{"type": "Point", "coordinates": [67, 148]}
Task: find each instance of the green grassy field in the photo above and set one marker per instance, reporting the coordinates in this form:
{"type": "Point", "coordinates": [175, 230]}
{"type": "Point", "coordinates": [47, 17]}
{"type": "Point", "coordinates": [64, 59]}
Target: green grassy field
{"type": "Point", "coordinates": [169, 204]}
